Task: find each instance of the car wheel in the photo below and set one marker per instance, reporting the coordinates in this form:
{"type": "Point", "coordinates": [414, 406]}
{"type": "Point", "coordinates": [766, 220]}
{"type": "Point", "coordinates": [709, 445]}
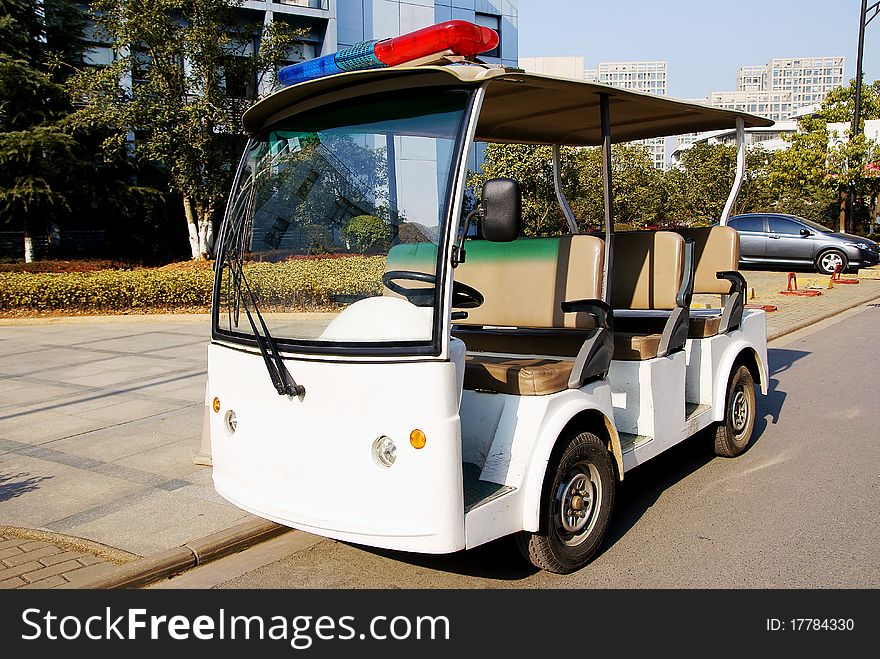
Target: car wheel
{"type": "Point", "coordinates": [575, 507]}
{"type": "Point", "coordinates": [732, 436]}
{"type": "Point", "coordinates": [829, 260]}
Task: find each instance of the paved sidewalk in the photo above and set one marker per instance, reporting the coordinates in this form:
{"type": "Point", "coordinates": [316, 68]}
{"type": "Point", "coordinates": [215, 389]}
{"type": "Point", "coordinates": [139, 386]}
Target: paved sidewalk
{"type": "Point", "coordinates": [37, 559]}
{"type": "Point", "coordinates": [100, 417]}
{"type": "Point", "coordinates": [98, 424]}
{"type": "Point", "coordinates": [794, 312]}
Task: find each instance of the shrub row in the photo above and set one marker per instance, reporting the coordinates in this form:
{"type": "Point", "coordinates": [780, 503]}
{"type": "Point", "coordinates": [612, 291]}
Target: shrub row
{"type": "Point", "coordinates": [296, 285]}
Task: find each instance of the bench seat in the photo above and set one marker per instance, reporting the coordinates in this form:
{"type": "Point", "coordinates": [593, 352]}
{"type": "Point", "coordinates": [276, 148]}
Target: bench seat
{"type": "Point", "coordinates": [519, 376]}
{"type": "Point", "coordinates": [633, 346]}
{"type": "Point", "coordinates": [701, 324]}
{"type": "Point", "coordinates": [704, 326]}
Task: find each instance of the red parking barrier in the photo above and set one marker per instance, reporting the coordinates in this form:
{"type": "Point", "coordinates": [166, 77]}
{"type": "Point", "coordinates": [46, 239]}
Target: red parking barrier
{"type": "Point", "coordinates": [765, 307]}
{"type": "Point", "coordinates": [837, 280]}
{"type": "Point", "coordinates": [793, 289]}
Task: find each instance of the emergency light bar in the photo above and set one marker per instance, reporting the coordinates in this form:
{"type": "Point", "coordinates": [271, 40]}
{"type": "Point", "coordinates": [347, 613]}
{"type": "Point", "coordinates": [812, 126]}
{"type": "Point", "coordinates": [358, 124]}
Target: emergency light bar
{"type": "Point", "coordinates": [450, 37]}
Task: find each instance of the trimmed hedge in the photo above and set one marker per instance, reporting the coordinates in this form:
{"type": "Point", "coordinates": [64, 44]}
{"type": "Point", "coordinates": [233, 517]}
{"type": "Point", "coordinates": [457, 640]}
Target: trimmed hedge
{"type": "Point", "coordinates": [296, 285]}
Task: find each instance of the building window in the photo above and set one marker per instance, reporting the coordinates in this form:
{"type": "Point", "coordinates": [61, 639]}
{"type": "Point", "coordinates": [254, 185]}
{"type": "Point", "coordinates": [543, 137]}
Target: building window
{"type": "Point", "coordinates": [493, 22]}
{"type": "Point", "coordinates": [238, 77]}
{"type": "Point", "coordinates": [98, 55]}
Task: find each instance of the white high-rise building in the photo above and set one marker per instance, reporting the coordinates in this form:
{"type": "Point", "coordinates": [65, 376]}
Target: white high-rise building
{"type": "Point", "coordinates": [566, 66]}
{"type": "Point", "coordinates": [776, 90]}
{"type": "Point", "coordinates": [775, 105]}
{"type": "Point", "coordinates": [751, 78]}
{"type": "Point", "coordinates": [779, 89]}
{"type": "Point", "coordinates": [647, 77]}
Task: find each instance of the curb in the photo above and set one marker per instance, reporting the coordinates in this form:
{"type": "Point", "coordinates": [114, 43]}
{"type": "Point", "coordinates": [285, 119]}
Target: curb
{"type": "Point", "coordinates": [799, 326]}
{"type": "Point", "coordinates": [179, 559]}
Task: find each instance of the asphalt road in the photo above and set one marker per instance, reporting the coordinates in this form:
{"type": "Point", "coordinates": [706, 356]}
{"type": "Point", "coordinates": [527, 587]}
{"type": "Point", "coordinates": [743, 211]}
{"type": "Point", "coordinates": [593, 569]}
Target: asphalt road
{"type": "Point", "coordinates": [801, 508]}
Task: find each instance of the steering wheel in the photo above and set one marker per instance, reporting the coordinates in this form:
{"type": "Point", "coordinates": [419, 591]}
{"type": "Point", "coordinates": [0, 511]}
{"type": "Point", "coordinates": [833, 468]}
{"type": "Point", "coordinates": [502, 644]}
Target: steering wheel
{"type": "Point", "coordinates": [463, 296]}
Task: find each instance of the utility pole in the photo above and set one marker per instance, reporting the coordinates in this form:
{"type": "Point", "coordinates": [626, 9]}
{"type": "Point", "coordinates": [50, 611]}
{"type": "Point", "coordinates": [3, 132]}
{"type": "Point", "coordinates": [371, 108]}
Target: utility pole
{"type": "Point", "coordinates": [857, 114]}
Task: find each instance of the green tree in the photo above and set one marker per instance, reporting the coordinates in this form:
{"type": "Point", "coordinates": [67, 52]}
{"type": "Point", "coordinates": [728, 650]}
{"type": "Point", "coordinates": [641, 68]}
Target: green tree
{"type": "Point", "coordinates": [41, 164]}
{"type": "Point", "coordinates": [532, 167]}
{"type": "Point", "coordinates": [635, 185]}
{"type": "Point", "coordinates": [181, 70]}
{"type": "Point", "coordinates": [366, 233]}
{"type": "Point", "coordinates": [818, 168]}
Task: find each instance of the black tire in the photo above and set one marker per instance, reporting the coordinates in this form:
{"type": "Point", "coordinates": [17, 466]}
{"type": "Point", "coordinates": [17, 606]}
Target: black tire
{"type": "Point", "coordinates": [828, 259]}
{"type": "Point", "coordinates": [732, 436]}
{"type": "Point", "coordinates": [575, 507]}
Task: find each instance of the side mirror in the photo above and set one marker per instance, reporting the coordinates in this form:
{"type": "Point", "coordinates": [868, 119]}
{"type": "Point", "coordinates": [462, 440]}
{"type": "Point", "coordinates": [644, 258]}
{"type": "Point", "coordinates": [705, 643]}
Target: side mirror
{"type": "Point", "coordinates": [502, 210]}
{"type": "Point", "coordinates": [806, 232]}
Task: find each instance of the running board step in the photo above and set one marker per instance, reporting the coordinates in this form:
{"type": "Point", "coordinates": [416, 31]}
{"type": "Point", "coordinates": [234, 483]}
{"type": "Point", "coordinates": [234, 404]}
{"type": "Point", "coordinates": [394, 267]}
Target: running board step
{"type": "Point", "coordinates": [629, 442]}
{"type": "Point", "coordinates": [477, 492]}
{"type": "Point", "coordinates": [694, 409]}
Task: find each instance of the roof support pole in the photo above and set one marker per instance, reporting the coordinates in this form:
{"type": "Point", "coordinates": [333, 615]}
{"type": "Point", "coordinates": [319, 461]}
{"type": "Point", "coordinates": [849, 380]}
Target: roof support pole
{"type": "Point", "coordinates": [560, 195]}
{"type": "Point", "coordinates": [740, 170]}
{"type": "Point", "coordinates": [391, 164]}
{"type": "Point", "coordinates": [605, 112]}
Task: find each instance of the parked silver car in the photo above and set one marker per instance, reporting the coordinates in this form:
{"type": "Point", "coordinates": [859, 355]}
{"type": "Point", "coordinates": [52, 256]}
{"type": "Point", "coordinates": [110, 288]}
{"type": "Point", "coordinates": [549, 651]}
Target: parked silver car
{"type": "Point", "coordinates": [788, 240]}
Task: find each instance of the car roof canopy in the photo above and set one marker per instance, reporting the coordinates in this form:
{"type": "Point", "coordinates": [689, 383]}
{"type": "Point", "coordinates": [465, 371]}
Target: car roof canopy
{"type": "Point", "coordinates": [518, 107]}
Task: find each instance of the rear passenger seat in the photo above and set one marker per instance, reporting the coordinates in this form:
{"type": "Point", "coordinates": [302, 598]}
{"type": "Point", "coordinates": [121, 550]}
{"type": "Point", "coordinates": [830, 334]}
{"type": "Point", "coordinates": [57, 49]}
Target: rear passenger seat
{"type": "Point", "coordinates": [716, 250]}
{"type": "Point", "coordinates": [649, 274]}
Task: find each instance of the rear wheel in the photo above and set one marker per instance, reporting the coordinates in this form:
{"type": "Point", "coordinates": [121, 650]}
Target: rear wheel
{"type": "Point", "coordinates": [732, 436]}
{"type": "Point", "coordinates": [831, 259]}
{"type": "Point", "coordinates": [575, 507]}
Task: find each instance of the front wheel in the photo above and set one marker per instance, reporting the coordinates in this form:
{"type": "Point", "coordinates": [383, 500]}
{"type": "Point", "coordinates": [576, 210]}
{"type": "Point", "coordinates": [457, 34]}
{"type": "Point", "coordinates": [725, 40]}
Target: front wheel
{"type": "Point", "coordinates": [576, 507]}
{"type": "Point", "coordinates": [830, 260]}
{"type": "Point", "coordinates": [732, 436]}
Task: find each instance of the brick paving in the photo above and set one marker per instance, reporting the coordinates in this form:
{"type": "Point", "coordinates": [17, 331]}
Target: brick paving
{"type": "Point", "coordinates": [29, 563]}
{"type": "Point", "coordinates": [794, 312]}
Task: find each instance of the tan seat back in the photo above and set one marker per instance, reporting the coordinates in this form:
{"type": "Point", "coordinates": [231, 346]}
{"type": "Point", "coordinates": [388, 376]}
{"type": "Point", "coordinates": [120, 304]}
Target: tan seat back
{"type": "Point", "coordinates": [647, 269]}
{"type": "Point", "coordinates": [716, 249]}
{"type": "Point", "coordinates": [523, 282]}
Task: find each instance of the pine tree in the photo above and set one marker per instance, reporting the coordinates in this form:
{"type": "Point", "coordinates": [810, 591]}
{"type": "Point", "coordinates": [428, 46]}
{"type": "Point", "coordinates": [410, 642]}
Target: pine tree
{"type": "Point", "coordinates": [39, 160]}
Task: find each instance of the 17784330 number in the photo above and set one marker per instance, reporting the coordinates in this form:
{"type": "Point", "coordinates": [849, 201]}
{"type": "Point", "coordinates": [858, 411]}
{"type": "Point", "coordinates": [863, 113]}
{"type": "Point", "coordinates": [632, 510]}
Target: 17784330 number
{"type": "Point", "coordinates": [810, 624]}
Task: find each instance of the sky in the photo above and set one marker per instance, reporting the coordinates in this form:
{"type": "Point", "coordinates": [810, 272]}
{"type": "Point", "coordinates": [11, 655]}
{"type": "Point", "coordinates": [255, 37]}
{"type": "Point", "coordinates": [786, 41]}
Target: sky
{"type": "Point", "coordinates": [703, 41]}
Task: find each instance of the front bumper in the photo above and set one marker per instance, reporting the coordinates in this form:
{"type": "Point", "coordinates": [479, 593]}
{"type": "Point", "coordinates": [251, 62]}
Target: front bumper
{"type": "Point", "coordinates": [867, 258]}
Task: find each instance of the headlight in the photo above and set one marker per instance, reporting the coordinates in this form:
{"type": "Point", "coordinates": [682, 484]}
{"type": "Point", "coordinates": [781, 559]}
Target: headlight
{"type": "Point", "coordinates": [231, 422]}
{"type": "Point", "coordinates": [859, 245]}
{"type": "Point", "coordinates": [384, 451]}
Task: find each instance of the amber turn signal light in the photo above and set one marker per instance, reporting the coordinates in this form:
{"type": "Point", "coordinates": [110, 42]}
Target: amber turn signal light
{"type": "Point", "coordinates": [216, 404]}
{"type": "Point", "coordinates": [417, 439]}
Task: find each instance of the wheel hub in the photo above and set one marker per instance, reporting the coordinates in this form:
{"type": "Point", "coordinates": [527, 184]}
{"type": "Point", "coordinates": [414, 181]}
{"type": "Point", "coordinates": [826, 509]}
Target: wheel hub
{"type": "Point", "coordinates": [576, 499]}
{"type": "Point", "coordinates": [739, 412]}
{"type": "Point", "coordinates": [831, 261]}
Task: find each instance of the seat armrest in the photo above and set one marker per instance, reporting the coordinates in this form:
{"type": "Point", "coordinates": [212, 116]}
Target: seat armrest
{"type": "Point", "coordinates": [736, 279]}
{"type": "Point", "coordinates": [686, 291]}
{"type": "Point", "coordinates": [731, 317]}
{"type": "Point", "coordinates": [598, 309]}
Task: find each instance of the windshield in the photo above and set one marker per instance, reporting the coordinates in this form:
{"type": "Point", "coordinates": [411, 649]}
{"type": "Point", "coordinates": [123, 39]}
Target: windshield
{"type": "Point", "coordinates": [815, 226]}
{"type": "Point", "coordinates": [321, 200]}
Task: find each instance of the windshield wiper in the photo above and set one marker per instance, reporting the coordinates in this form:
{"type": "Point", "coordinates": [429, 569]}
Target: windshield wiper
{"type": "Point", "coordinates": [282, 380]}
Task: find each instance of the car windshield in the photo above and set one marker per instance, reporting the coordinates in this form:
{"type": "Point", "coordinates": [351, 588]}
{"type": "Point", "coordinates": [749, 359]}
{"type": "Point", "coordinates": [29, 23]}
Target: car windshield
{"type": "Point", "coordinates": [321, 199]}
{"type": "Point", "coordinates": [815, 226]}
